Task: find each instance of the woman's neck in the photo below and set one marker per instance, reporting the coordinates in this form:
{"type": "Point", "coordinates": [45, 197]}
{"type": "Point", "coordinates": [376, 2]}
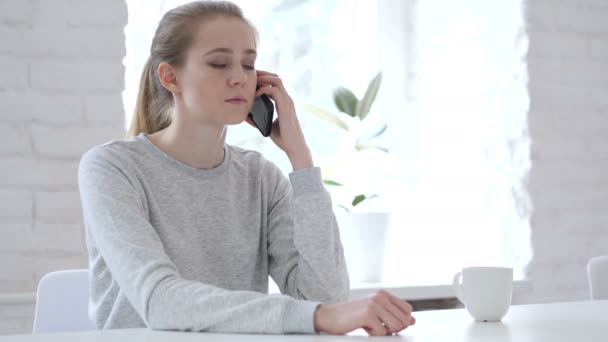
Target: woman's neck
{"type": "Point", "coordinates": [201, 147]}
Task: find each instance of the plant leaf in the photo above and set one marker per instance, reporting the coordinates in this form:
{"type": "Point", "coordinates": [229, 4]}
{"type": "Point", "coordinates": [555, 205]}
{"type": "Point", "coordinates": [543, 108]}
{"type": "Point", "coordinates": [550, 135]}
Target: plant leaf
{"type": "Point", "coordinates": [346, 101]}
{"type": "Point", "coordinates": [366, 102]}
{"type": "Point", "coordinates": [331, 182]}
{"type": "Point", "coordinates": [358, 199]}
{"type": "Point", "coordinates": [343, 207]}
{"type": "Point", "coordinates": [362, 146]}
{"type": "Point", "coordinates": [379, 133]}
{"type": "Point", "coordinates": [326, 116]}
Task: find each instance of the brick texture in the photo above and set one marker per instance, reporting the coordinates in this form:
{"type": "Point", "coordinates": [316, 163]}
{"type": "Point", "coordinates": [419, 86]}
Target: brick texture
{"type": "Point", "coordinates": [60, 91]}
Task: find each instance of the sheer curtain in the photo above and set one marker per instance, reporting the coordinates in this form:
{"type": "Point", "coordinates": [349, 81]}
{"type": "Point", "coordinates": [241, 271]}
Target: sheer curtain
{"type": "Point", "coordinates": [465, 203]}
{"type": "Point", "coordinates": [454, 98]}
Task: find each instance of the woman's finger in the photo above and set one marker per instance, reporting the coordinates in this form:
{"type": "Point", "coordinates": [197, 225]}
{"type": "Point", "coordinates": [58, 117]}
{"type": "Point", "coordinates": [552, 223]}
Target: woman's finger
{"type": "Point", "coordinates": [271, 80]}
{"type": "Point", "coordinates": [393, 324]}
{"type": "Point", "coordinates": [386, 300]}
{"type": "Point", "coordinates": [403, 306]}
{"type": "Point", "coordinates": [265, 73]}
{"type": "Point", "coordinates": [403, 318]}
{"type": "Point", "coordinates": [270, 91]}
{"type": "Point", "coordinates": [374, 327]}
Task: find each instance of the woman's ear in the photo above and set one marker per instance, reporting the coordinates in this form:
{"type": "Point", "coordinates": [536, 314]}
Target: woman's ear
{"type": "Point", "coordinates": [168, 77]}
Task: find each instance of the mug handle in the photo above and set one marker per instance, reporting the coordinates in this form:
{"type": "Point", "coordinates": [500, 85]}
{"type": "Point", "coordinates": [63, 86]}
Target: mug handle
{"type": "Point", "coordinates": [458, 287]}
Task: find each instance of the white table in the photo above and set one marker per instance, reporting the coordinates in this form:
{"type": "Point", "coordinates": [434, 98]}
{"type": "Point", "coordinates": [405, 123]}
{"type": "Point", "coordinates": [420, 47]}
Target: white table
{"type": "Point", "coordinates": [573, 321]}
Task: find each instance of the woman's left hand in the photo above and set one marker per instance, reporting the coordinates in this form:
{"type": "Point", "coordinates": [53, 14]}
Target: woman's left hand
{"type": "Point", "coordinates": [286, 131]}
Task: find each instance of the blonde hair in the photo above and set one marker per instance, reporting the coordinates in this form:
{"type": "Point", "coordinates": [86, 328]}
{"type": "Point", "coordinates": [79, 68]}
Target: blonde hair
{"type": "Point", "coordinates": [173, 37]}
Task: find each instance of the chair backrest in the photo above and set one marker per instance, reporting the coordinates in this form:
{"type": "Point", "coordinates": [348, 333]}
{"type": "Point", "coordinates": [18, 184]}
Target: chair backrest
{"type": "Point", "coordinates": [62, 302]}
{"type": "Point", "coordinates": [597, 272]}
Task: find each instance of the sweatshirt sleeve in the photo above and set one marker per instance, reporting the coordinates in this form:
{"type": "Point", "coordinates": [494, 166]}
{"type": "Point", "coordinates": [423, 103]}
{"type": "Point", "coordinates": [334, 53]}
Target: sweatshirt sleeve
{"type": "Point", "coordinates": [115, 217]}
{"type": "Point", "coordinates": [306, 258]}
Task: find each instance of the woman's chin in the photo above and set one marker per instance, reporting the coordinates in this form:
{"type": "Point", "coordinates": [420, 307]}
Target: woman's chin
{"type": "Point", "coordinates": [235, 119]}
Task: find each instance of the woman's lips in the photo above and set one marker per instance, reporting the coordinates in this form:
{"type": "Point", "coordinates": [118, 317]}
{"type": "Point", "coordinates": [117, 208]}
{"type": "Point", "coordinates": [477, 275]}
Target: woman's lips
{"type": "Point", "coordinates": [236, 100]}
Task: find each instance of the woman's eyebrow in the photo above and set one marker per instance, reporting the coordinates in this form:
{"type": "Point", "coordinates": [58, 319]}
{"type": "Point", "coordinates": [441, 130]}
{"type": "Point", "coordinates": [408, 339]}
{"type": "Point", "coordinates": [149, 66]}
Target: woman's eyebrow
{"type": "Point", "coordinates": [229, 51]}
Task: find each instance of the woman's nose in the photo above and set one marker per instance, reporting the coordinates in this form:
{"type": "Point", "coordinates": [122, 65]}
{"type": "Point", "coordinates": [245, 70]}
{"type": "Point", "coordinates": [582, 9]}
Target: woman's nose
{"type": "Point", "coordinates": [237, 77]}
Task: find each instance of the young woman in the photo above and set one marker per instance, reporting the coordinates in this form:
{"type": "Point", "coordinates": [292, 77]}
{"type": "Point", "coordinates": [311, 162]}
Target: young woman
{"type": "Point", "coordinates": [183, 230]}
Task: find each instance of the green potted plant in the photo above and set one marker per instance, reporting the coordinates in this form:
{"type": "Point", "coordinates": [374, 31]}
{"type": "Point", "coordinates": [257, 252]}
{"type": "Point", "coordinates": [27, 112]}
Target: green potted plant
{"type": "Point", "coordinates": [351, 119]}
{"type": "Point", "coordinates": [363, 233]}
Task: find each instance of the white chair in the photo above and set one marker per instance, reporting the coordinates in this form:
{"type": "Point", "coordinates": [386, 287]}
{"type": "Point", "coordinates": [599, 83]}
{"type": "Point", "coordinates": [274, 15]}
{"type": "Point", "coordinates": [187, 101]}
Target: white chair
{"type": "Point", "coordinates": [597, 272]}
{"type": "Point", "coordinates": [62, 302]}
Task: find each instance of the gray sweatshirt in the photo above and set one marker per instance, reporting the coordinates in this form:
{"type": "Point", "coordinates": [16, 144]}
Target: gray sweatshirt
{"type": "Point", "coordinates": [178, 248]}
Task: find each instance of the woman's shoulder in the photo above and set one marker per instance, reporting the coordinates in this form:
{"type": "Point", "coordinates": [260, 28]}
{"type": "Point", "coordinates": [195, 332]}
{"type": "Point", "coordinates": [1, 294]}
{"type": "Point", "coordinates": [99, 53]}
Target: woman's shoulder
{"type": "Point", "coordinates": [114, 151]}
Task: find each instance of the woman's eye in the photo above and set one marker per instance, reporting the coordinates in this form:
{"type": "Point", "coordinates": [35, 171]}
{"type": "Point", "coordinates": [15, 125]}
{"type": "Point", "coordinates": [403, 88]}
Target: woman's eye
{"type": "Point", "coordinates": [222, 66]}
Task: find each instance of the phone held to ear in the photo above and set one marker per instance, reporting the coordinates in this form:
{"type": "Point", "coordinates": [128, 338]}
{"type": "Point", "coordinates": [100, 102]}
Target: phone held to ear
{"type": "Point", "coordinates": [262, 113]}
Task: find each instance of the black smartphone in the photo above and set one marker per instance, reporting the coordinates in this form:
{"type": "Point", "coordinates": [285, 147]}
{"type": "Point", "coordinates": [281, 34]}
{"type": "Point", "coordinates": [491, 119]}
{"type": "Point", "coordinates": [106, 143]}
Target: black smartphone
{"type": "Point", "coordinates": [262, 113]}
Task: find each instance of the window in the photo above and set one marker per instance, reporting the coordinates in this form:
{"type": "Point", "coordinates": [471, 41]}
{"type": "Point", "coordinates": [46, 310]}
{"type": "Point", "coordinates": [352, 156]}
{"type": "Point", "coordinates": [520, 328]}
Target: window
{"type": "Point", "coordinates": [454, 98]}
{"type": "Point", "coordinates": [464, 202]}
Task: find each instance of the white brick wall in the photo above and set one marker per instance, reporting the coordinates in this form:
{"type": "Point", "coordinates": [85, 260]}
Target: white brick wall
{"type": "Point", "coordinates": [60, 94]}
{"type": "Point", "coordinates": [568, 84]}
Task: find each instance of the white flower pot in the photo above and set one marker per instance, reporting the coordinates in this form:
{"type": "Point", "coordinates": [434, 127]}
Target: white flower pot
{"type": "Point", "coordinates": [364, 237]}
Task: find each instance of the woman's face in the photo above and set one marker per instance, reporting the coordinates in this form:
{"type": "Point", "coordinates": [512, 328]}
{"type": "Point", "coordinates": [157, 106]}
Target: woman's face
{"type": "Point", "coordinates": [218, 79]}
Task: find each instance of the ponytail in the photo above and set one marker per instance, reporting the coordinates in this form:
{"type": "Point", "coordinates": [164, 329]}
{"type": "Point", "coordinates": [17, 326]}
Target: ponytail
{"type": "Point", "coordinates": [151, 112]}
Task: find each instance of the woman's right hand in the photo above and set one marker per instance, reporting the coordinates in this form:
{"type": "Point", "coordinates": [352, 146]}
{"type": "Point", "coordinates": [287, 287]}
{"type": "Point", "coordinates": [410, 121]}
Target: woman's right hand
{"type": "Point", "coordinates": [379, 314]}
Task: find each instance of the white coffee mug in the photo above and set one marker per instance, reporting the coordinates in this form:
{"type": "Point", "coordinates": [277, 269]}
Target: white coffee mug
{"type": "Point", "coordinates": [485, 291]}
